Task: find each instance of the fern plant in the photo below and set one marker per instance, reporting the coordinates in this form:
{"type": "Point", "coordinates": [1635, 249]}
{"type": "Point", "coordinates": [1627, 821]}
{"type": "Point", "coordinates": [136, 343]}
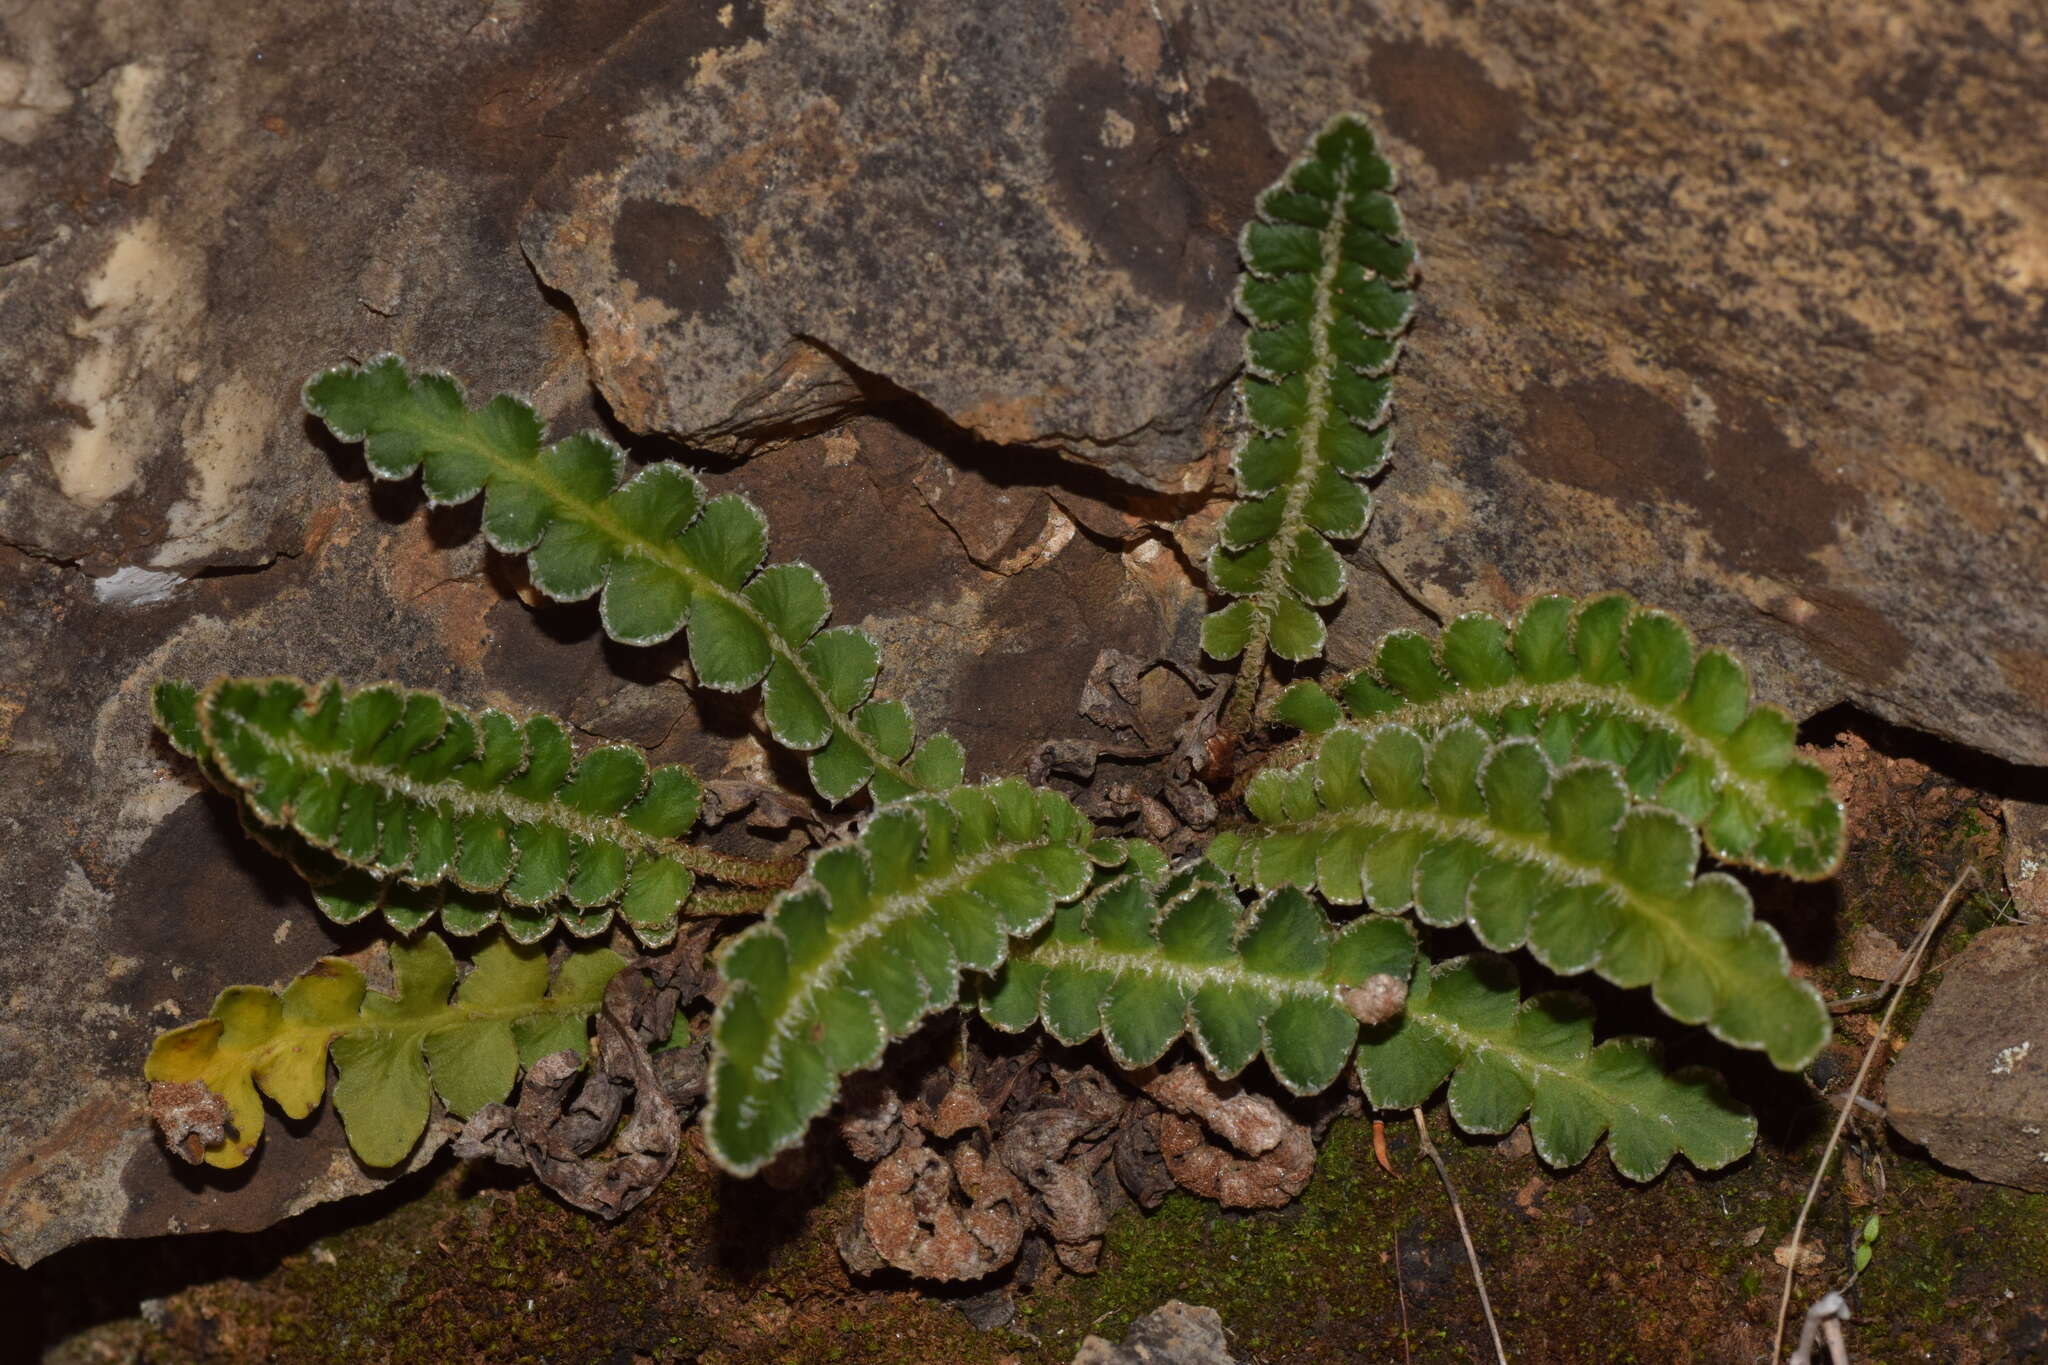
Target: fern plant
{"type": "Point", "coordinates": [1549, 784]}
{"type": "Point", "coordinates": [1328, 290]}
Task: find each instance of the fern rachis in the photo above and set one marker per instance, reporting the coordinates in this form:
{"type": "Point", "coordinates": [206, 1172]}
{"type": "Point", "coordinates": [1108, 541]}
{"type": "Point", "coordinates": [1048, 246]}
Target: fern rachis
{"type": "Point", "coordinates": [1327, 293]}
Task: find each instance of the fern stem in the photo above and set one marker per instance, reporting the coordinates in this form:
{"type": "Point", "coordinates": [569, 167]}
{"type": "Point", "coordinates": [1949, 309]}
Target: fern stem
{"type": "Point", "coordinates": [1500, 1352]}
{"type": "Point", "coordinates": [767, 875]}
{"type": "Point", "coordinates": [1244, 689]}
{"type": "Point", "coordinates": [1055, 953]}
{"type": "Point", "coordinates": [1905, 978]}
{"type": "Point", "coordinates": [716, 902]}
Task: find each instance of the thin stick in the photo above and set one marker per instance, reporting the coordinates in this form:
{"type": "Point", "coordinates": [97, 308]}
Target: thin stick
{"type": "Point", "coordinates": [1471, 1253]}
{"type": "Point", "coordinates": [1884, 1025]}
{"type": "Point", "coordinates": [1401, 1293]}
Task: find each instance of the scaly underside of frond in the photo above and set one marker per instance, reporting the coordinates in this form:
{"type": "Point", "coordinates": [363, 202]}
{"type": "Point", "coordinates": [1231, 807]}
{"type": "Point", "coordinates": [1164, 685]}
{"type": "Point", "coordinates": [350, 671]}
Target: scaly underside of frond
{"type": "Point", "coordinates": [397, 799]}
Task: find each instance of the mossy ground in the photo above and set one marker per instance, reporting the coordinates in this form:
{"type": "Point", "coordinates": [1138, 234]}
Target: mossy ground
{"type": "Point", "coordinates": [1582, 1265]}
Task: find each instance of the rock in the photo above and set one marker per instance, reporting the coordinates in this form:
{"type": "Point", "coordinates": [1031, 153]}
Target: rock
{"type": "Point", "coordinates": [1754, 338]}
{"type": "Point", "coordinates": [1695, 323]}
{"type": "Point", "coordinates": [1174, 1333]}
{"type": "Point", "coordinates": [197, 211]}
{"type": "Point", "coordinates": [1972, 1084]}
{"type": "Point", "coordinates": [2026, 859]}
{"type": "Point", "coordinates": [1652, 355]}
{"type": "Point", "coordinates": [973, 206]}
{"type": "Point", "coordinates": [1873, 956]}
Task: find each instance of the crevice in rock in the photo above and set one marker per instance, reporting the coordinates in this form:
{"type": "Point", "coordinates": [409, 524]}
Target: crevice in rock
{"type": "Point", "coordinates": [1971, 767]}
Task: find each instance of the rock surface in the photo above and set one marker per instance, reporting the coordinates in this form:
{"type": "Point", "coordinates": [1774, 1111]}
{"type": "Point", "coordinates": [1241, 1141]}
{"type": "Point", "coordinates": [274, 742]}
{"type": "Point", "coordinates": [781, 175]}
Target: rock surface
{"type": "Point", "coordinates": [1174, 1333]}
{"type": "Point", "coordinates": [2026, 858]}
{"type": "Point", "coordinates": [1742, 313]}
{"type": "Point", "coordinates": [1972, 1084]}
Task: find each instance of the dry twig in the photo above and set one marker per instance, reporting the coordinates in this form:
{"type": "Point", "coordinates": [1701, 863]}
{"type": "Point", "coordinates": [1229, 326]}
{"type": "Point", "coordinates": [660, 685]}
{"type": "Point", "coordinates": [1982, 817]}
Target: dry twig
{"type": "Point", "coordinates": [1401, 1294]}
{"type": "Point", "coordinates": [1904, 974]}
{"type": "Point", "coordinates": [1471, 1253]}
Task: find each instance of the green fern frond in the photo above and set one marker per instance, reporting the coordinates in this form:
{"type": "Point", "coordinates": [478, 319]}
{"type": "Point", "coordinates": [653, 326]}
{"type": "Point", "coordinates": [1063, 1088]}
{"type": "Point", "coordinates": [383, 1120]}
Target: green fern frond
{"type": "Point", "coordinates": [873, 940]}
{"type": "Point", "coordinates": [1328, 291]}
{"type": "Point", "coordinates": [660, 559]}
{"type": "Point", "coordinates": [1610, 680]}
{"type": "Point", "coordinates": [1468, 828]}
{"type": "Point", "coordinates": [1144, 965]}
{"type": "Point", "coordinates": [391, 1053]}
{"type": "Point", "coordinates": [420, 799]}
{"type": "Point", "coordinates": [1536, 1057]}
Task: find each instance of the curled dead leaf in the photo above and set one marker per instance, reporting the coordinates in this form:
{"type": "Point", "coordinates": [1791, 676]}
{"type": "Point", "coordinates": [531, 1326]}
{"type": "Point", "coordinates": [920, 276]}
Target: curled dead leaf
{"type": "Point", "coordinates": [938, 1219]}
{"type": "Point", "coordinates": [1059, 1153]}
{"type": "Point", "coordinates": [1265, 1159]}
{"type": "Point", "coordinates": [565, 1114]}
{"type": "Point", "coordinates": [190, 1115]}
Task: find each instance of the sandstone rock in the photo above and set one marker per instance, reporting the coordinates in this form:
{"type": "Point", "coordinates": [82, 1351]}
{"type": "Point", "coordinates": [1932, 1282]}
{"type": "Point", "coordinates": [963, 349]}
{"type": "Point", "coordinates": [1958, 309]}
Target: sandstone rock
{"type": "Point", "coordinates": [1740, 313]}
{"type": "Point", "coordinates": [1972, 1084]}
{"type": "Point", "coordinates": [1174, 1333]}
{"type": "Point", "coordinates": [197, 209]}
{"type": "Point", "coordinates": [975, 205]}
{"type": "Point", "coordinates": [2026, 858]}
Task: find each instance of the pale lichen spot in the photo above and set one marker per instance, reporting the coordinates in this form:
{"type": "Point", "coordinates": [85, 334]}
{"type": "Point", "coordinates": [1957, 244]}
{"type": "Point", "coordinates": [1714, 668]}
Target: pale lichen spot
{"type": "Point", "coordinates": [139, 304]}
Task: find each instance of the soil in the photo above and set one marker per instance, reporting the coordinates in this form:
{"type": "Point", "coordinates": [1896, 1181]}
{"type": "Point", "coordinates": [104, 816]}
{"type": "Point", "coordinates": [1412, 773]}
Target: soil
{"type": "Point", "coordinates": [460, 1262]}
